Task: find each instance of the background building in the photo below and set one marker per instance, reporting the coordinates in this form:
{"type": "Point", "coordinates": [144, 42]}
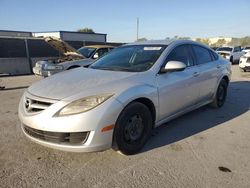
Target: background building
{"type": "Point", "coordinates": [75, 39]}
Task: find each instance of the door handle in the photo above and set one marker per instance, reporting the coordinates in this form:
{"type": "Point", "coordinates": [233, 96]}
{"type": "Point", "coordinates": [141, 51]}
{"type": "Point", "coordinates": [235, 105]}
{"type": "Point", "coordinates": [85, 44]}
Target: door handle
{"type": "Point", "coordinates": [218, 66]}
{"type": "Point", "coordinates": [195, 74]}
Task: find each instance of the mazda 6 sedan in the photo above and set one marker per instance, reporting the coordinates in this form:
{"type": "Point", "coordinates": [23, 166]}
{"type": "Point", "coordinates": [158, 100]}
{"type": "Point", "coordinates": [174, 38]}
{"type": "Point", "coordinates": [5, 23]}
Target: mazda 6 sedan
{"type": "Point", "coordinates": [119, 99]}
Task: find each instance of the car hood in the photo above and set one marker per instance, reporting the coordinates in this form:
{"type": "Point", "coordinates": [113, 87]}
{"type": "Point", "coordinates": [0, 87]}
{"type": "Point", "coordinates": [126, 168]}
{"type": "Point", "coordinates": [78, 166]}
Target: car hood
{"type": "Point", "coordinates": [63, 47]}
{"type": "Point", "coordinates": [87, 80]}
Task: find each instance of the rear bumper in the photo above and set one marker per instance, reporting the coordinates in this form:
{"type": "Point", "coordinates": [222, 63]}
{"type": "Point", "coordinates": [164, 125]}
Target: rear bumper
{"type": "Point", "coordinates": [245, 68]}
{"type": "Point", "coordinates": [244, 65]}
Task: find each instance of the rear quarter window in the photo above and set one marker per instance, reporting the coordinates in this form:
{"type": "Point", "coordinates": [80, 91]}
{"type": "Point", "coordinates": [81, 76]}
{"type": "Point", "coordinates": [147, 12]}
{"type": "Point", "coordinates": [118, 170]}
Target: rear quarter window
{"type": "Point", "coordinates": [214, 55]}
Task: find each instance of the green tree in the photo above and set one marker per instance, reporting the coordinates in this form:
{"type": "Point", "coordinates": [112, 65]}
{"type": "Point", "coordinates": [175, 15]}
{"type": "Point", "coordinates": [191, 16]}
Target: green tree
{"type": "Point", "coordinates": [235, 42]}
{"type": "Point", "coordinates": [184, 38]}
{"type": "Point", "coordinates": [221, 42]}
{"type": "Point", "coordinates": [204, 41]}
{"type": "Point", "coordinates": [86, 30]}
{"type": "Point", "coordinates": [198, 40]}
{"type": "Point", "coordinates": [245, 41]}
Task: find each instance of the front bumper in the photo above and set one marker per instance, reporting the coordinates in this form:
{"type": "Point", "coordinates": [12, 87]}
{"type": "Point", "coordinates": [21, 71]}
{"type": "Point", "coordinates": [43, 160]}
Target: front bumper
{"type": "Point", "coordinates": [90, 122]}
{"type": "Point", "coordinates": [244, 65]}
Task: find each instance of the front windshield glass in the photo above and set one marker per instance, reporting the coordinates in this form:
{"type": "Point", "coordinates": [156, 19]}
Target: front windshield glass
{"type": "Point", "coordinates": [136, 58]}
{"type": "Point", "coordinates": [225, 49]}
{"type": "Point", "coordinates": [86, 51]}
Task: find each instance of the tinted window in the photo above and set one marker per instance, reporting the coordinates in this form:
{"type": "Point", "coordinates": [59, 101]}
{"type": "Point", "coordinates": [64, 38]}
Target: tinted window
{"type": "Point", "coordinates": [229, 49]}
{"type": "Point", "coordinates": [181, 53]}
{"type": "Point", "coordinates": [86, 51]}
{"type": "Point", "coordinates": [237, 49]}
{"type": "Point", "coordinates": [202, 55]}
{"type": "Point", "coordinates": [215, 55]}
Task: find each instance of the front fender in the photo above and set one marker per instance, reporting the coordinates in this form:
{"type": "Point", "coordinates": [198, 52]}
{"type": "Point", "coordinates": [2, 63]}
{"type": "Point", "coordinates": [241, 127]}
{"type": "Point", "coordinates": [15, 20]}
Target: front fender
{"type": "Point", "coordinates": [139, 91]}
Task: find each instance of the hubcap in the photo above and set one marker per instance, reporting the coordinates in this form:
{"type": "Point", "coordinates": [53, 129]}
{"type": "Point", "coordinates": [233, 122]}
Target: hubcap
{"type": "Point", "coordinates": [134, 128]}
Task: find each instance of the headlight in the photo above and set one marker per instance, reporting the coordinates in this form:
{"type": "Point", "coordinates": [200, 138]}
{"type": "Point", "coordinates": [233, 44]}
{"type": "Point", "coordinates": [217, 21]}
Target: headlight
{"type": "Point", "coordinates": [83, 105]}
{"type": "Point", "coordinates": [54, 67]}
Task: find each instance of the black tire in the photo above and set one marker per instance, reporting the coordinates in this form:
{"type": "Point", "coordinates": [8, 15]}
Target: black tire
{"type": "Point", "coordinates": [133, 128]}
{"type": "Point", "coordinates": [243, 70]}
{"type": "Point", "coordinates": [221, 94]}
{"type": "Point", "coordinates": [231, 60]}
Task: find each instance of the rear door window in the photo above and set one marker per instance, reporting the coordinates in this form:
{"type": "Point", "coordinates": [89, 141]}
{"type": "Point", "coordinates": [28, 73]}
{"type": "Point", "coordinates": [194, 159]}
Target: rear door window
{"type": "Point", "coordinates": [202, 55]}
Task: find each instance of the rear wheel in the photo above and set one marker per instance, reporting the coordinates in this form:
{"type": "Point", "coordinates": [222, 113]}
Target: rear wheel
{"type": "Point", "coordinates": [231, 60]}
{"type": "Point", "coordinates": [133, 128]}
{"type": "Point", "coordinates": [221, 94]}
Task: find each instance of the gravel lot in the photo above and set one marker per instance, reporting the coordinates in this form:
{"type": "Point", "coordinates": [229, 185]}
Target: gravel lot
{"type": "Point", "coordinates": [205, 148]}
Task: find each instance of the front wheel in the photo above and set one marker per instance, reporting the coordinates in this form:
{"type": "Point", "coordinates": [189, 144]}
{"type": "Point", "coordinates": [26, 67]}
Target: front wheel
{"type": "Point", "coordinates": [221, 95]}
{"type": "Point", "coordinates": [243, 70]}
{"type": "Point", "coordinates": [133, 128]}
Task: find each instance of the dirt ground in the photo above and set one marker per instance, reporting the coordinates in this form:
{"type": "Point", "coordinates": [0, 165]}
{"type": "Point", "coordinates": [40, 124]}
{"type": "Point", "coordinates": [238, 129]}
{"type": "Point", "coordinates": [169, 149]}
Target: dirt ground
{"type": "Point", "coordinates": [204, 148]}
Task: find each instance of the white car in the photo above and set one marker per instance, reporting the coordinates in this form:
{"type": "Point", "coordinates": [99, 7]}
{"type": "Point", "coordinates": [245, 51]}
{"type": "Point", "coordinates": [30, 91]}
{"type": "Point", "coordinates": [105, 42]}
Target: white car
{"type": "Point", "coordinates": [232, 54]}
{"type": "Point", "coordinates": [120, 98]}
{"type": "Point", "coordinates": [245, 62]}
{"type": "Point", "coordinates": [246, 49]}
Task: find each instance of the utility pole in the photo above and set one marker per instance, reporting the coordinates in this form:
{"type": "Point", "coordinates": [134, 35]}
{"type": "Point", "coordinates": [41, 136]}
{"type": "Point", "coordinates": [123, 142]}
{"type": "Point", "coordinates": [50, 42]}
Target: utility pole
{"type": "Point", "coordinates": [137, 34]}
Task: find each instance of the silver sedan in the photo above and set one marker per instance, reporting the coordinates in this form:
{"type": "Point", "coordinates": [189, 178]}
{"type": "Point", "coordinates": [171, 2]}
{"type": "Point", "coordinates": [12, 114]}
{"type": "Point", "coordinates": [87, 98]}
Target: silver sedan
{"type": "Point", "coordinates": [119, 99]}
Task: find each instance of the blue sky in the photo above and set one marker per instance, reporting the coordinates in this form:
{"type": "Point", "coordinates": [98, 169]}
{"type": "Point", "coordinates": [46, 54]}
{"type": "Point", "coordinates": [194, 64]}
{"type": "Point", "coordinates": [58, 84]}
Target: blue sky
{"type": "Point", "coordinates": [158, 18]}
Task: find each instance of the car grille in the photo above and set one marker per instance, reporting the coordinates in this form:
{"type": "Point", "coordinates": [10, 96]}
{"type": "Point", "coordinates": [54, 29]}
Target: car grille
{"type": "Point", "coordinates": [75, 138]}
{"type": "Point", "coordinates": [33, 105]}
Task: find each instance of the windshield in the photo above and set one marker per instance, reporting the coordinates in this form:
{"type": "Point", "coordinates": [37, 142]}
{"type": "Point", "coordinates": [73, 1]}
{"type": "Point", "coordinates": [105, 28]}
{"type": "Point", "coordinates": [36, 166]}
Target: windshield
{"type": "Point", "coordinates": [225, 49]}
{"type": "Point", "coordinates": [136, 58]}
{"type": "Point", "coordinates": [247, 48]}
{"type": "Point", "coordinates": [86, 51]}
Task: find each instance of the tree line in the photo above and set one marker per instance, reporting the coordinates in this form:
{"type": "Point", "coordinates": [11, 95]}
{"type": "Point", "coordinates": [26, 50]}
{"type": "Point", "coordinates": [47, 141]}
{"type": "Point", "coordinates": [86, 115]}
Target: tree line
{"type": "Point", "coordinates": [244, 41]}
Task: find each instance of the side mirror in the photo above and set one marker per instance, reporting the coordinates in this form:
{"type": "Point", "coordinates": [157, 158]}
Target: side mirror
{"type": "Point", "coordinates": [96, 56]}
{"type": "Point", "coordinates": [173, 66]}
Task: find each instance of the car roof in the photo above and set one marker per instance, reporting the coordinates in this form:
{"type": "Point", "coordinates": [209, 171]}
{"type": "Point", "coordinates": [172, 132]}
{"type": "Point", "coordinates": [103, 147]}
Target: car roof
{"type": "Point", "coordinates": [151, 42]}
{"type": "Point", "coordinates": [99, 46]}
{"type": "Point", "coordinates": [166, 42]}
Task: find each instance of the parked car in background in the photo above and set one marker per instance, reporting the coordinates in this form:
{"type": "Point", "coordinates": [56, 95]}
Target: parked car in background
{"type": "Point", "coordinates": [246, 49]}
{"type": "Point", "coordinates": [245, 62]}
{"type": "Point", "coordinates": [72, 58]}
{"type": "Point", "coordinates": [232, 54]}
{"type": "Point", "coordinates": [123, 95]}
